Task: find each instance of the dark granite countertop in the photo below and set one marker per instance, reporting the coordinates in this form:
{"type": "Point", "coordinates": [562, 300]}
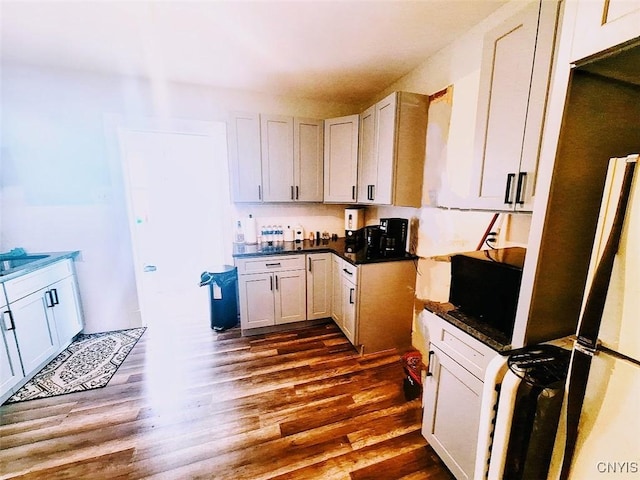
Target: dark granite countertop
{"type": "Point", "coordinates": [478, 330]}
{"type": "Point", "coordinates": [339, 247]}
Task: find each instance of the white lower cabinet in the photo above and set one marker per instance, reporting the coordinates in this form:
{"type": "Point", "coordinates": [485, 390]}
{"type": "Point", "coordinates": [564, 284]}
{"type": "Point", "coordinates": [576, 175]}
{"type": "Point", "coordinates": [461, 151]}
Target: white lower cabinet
{"type": "Point", "coordinates": [290, 296]}
{"type": "Point", "coordinates": [272, 290]}
{"type": "Point", "coordinates": [344, 311]}
{"type": "Point", "coordinates": [66, 309]}
{"type": "Point", "coordinates": [452, 413]}
{"type": "Point", "coordinates": [10, 366]}
{"type": "Point", "coordinates": [319, 285]}
{"type": "Point", "coordinates": [453, 391]}
{"type": "Point", "coordinates": [371, 303]}
{"type": "Point", "coordinates": [34, 328]}
{"type": "Point", "coordinates": [337, 306]}
{"type": "Point", "coordinates": [41, 317]}
{"type": "Point", "coordinates": [349, 308]}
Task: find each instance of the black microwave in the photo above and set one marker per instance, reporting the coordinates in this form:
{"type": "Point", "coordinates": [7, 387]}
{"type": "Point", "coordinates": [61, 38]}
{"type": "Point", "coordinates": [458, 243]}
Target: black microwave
{"type": "Point", "coordinates": [485, 285]}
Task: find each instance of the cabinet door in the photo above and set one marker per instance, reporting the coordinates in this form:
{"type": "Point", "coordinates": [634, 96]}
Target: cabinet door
{"type": "Point", "coordinates": [452, 402]}
{"type": "Point", "coordinates": [35, 329]}
{"type": "Point", "coordinates": [604, 24]}
{"type": "Point", "coordinates": [276, 134]}
{"type": "Point", "coordinates": [512, 101]}
{"type": "Point", "coordinates": [337, 306]}
{"type": "Point", "coordinates": [10, 367]}
{"type": "Point", "coordinates": [341, 159]}
{"type": "Point", "coordinates": [257, 306]}
{"type": "Point", "coordinates": [385, 150]}
{"type": "Point", "coordinates": [319, 285]}
{"type": "Point", "coordinates": [66, 311]}
{"type": "Point", "coordinates": [349, 310]}
{"type": "Point", "coordinates": [308, 148]}
{"type": "Point", "coordinates": [367, 162]}
{"type": "Point", "coordinates": [290, 296]}
{"type": "Point", "coordinates": [245, 170]}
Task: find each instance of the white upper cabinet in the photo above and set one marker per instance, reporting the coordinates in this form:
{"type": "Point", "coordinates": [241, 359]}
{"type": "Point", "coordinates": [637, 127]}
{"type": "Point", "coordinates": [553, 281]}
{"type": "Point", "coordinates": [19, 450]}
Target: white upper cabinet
{"type": "Point", "coordinates": [292, 159]}
{"type": "Point", "coordinates": [392, 149]}
{"type": "Point", "coordinates": [367, 162]}
{"type": "Point", "coordinates": [512, 102]}
{"type": "Point", "coordinates": [275, 158]}
{"type": "Point", "coordinates": [341, 159]}
{"type": "Point", "coordinates": [245, 170]}
{"type": "Point", "coordinates": [308, 148]}
{"type": "Point", "coordinates": [604, 24]}
{"type": "Point", "coordinates": [276, 134]}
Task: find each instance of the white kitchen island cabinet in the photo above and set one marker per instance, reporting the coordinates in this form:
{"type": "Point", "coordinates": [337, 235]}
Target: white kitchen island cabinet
{"type": "Point", "coordinates": [272, 290]}
{"type": "Point", "coordinates": [292, 159]}
{"type": "Point", "coordinates": [512, 102]}
{"type": "Point", "coordinates": [453, 391]}
{"type": "Point", "coordinates": [319, 285]}
{"type": "Point", "coordinates": [392, 149]}
{"type": "Point", "coordinates": [341, 159]}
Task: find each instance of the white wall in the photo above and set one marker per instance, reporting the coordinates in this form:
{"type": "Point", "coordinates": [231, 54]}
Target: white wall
{"type": "Point", "coordinates": [61, 183]}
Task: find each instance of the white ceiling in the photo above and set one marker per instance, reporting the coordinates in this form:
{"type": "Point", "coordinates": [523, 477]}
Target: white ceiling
{"type": "Point", "coordinates": [342, 51]}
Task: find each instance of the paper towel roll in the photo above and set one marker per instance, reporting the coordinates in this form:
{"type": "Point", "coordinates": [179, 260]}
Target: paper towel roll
{"type": "Point", "coordinates": [250, 232]}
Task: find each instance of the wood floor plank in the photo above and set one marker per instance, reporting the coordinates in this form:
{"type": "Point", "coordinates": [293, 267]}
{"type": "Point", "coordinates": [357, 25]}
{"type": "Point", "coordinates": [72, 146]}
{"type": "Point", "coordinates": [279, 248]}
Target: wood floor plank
{"type": "Point", "coordinates": [200, 404]}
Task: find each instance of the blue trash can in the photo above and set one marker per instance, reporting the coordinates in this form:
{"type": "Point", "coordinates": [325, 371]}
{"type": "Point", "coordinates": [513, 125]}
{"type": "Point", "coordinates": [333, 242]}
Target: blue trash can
{"type": "Point", "coordinates": [223, 295]}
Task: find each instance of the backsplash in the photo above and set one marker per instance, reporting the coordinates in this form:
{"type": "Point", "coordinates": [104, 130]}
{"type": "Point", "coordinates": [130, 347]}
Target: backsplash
{"type": "Point", "coordinates": [311, 217]}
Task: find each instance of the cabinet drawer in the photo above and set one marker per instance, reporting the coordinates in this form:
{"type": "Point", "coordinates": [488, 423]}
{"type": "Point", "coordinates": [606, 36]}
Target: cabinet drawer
{"type": "Point", "coordinates": [22, 286]}
{"type": "Point", "coordinates": [270, 264]}
{"type": "Point", "coordinates": [459, 345]}
{"type": "Point", "coordinates": [349, 272]}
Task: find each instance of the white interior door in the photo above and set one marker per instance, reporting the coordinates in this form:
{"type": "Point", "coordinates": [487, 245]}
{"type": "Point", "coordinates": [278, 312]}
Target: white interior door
{"type": "Point", "coordinates": [179, 213]}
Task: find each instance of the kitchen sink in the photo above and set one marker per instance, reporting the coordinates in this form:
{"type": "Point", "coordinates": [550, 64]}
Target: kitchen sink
{"type": "Point", "coordinates": [11, 263]}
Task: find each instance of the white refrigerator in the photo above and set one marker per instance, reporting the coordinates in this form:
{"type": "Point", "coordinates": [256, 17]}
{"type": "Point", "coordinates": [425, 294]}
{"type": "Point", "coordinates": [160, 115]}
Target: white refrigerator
{"type": "Point", "coordinates": [607, 442]}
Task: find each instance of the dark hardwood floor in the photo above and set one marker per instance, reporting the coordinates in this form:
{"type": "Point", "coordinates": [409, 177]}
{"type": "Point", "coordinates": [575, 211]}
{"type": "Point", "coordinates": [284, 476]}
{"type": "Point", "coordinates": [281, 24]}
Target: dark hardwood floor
{"type": "Point", "coordinates": [191, 403]}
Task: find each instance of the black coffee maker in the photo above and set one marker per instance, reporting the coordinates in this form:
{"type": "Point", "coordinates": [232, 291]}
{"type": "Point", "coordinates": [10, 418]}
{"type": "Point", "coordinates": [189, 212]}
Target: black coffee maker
{"type": "Point", "coordinates": [393, 236]}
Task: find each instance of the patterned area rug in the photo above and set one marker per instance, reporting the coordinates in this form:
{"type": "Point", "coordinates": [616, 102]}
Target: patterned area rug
{"type": "Point", "coordinates": [88, 363]}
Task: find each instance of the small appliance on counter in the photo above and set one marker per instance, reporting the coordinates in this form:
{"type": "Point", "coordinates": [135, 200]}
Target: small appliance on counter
{"type": "Point", "coordinates": [298, 234]}
{"type": "Point", "coordinates": [354, 226]}
{"type": "Point", "coordinates": [393, 236]}
{"type": "Point", "coordinates": [372, 239]}
{"type": "Point", "coordinates": [485, 285]}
